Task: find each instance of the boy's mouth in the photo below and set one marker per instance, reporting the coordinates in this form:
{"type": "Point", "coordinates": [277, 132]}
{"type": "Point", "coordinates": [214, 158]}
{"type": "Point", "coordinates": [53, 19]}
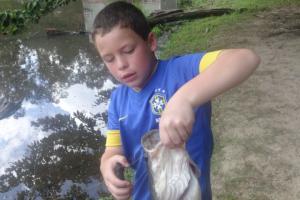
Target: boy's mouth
{"type": "Point", "coordinates": [128, 77]}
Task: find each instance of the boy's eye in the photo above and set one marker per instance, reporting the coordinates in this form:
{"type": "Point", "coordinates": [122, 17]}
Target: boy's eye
{"type": "Point", "coordinates": [128, 50]}
{"type": "Point", "coordinates": [108, 59]}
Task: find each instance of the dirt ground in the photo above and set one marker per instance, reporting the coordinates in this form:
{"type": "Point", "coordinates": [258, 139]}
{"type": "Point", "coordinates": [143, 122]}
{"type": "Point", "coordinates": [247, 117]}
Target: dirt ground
{"type": "Point", "coordinates": [257, 125]}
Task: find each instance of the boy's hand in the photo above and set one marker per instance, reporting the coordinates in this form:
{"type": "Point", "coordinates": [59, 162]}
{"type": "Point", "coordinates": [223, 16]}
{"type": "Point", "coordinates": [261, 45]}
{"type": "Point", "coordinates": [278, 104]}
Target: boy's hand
{"type": "Point", "coordinates": [120, 189]}
{"type": "Point", "coordinates": [176, 122]}
{"type": "Point", "coordinates": [230, 68]}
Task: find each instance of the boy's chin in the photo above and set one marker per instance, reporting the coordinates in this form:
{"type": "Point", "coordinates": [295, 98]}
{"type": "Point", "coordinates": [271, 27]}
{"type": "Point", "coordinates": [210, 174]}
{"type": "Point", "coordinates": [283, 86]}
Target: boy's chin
{"type": "Point", "coordinates": [134, 86]}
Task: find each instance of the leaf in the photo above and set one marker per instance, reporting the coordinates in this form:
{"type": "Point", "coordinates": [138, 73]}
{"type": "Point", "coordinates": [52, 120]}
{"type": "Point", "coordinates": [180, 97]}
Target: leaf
{"type": "Point", "coordinates": [13, 21]}
{"type": "Point", "coordinates": [6, 20]}
{"type": "Point", "coordinates": [14, 29]}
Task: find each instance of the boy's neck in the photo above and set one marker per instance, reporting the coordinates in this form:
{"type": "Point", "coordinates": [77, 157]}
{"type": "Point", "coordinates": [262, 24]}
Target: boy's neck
{"type": "Point", "coordinates": [150, 75]}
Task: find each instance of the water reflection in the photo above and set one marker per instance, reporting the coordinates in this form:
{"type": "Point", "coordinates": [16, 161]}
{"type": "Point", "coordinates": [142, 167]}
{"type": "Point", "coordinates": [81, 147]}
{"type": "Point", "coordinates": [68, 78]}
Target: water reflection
{"type": "Point", "coordinates": [43, 83]}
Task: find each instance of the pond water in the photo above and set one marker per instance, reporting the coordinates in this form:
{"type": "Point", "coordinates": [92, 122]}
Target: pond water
{"type": "Point", "coordinates": [41, 77]}
{"type": "Point", "coordinates": [46, 85]}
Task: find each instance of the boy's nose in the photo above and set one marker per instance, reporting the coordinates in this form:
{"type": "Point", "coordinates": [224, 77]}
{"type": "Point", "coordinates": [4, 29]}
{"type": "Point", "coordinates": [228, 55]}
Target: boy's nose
{"type": "Point", "coordinates": [122, 63]}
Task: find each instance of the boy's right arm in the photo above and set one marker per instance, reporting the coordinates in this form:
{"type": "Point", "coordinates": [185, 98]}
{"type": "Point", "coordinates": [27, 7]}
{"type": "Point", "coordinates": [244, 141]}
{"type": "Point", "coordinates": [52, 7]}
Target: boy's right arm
{"type": "Point", "coordinates": [120, 189]}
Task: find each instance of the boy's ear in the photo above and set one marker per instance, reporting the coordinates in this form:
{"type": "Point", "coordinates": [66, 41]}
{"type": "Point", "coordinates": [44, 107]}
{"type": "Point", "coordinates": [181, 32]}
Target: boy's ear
{"type": "Point", "coordinates": [152, 41]}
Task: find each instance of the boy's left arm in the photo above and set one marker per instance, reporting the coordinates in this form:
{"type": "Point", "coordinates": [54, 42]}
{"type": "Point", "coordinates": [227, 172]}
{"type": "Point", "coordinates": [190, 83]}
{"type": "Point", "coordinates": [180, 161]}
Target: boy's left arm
{"type": "Point", "coordinates": [231, 67]}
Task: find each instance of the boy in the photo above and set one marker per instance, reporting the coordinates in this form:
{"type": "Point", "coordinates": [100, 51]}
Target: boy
{"type": "Point", "coordinates": [172, 95]}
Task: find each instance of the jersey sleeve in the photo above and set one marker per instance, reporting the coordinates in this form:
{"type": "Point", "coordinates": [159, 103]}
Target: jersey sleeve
{"type": "Point", "coordinates": [184, 68]}
{"type": "Point", "coordinates": [207, 59]}
{"type": "Point", "coordinates": [113, 135]}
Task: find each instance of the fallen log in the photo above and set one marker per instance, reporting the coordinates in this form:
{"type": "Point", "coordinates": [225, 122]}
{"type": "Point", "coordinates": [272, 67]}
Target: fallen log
{"type": "Point", "coordinates": [165, 12]}
{"type": "Point", "coordinates": [177, 15]}
{"type": "Point", "coordinates": [56, 32]}
{"type": "Point", "coordinates": [161, 17]}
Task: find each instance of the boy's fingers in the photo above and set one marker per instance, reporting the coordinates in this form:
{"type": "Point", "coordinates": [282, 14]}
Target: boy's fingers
{"type": "Point", "coordinates": [119, 193]}
{"type": "Point", "coordinates": [178, 135]}
{"type": "Point", "coordinates": [122, 197]}
{"type": "Point", "coordinates": [122, 160]}
{"type": "Point", "coordinates": [183, 133]}
{"type": "Point", "coordinates": [170, 138]}
{"type": "Point", "coordinates": [165, 139]}
{"type": "Point", "coordinates": [119, 183]}
{"type": "Point", "coordinates": [174, 136]}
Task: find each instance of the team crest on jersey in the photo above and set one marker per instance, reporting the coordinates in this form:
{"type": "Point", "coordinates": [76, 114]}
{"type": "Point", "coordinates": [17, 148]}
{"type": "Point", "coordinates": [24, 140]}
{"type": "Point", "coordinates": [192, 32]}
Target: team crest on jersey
{"type": "Point", "coordinates": [158, 101]}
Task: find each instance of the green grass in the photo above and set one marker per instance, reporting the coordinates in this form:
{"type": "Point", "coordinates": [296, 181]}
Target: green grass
{"type": "Point", "coordinates": [9, 5]}
{"type": "Point", "coordinates": [197, 35]}
{"type": "Point", "coordinates": [251, 4]}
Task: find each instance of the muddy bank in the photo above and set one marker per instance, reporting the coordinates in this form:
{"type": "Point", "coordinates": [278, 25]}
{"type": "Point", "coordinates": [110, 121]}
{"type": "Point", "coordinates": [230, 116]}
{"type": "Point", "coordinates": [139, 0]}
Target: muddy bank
{"type": "Point", "coordinates": [256, 126]}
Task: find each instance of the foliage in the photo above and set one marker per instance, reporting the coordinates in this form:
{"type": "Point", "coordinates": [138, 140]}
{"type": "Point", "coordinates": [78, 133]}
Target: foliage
{"type": "Point", "coordinates": [106, 198]}
{"type": "Point", "coordinates": [161, 29]}
{"type": "Point", "coordinates": [76, 193]}
{"type": "Point", "coordinates": [13, 21]}
{"type": "Point", "coordinates": [185, 3]}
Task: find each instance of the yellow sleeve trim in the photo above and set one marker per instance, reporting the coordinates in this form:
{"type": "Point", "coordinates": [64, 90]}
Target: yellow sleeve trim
{"type": "Point", "coordinates": [208, 59]}
{"type": "Point", "coordinates": [113, 138]}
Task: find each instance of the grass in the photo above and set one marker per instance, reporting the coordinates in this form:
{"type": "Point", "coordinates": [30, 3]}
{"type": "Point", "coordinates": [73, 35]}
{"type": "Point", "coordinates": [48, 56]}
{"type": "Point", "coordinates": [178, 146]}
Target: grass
{"type": "Point", "coordinates": [250, 4]}
{"type": "Point", "coordinates": [197, 35]}
{"type": "Point", "coordinates": [9, 5]}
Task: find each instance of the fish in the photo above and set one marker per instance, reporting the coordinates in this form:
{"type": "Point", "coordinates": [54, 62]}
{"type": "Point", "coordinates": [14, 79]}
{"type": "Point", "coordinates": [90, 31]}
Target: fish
{"type": "Point", "coordinates": [173, 175]}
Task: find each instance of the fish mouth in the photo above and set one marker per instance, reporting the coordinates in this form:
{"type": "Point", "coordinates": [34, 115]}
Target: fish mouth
{"type": "Point", "coordinates": [151, 141]}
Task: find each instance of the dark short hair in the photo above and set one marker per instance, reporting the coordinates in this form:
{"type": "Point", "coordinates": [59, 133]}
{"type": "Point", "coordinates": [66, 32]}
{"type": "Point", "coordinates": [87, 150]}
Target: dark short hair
{"type": "Point", "coordinates": [121, 13]}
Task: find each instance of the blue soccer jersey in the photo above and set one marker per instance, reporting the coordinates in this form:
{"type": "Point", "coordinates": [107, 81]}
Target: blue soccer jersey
{"type": "Point", "coordinates": [131, 114]}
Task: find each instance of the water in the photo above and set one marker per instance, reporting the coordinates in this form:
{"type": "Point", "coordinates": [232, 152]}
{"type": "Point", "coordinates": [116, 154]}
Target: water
{"type": "Point", "coordinates": [41, 77]}
{"type": "Point", "coordinates": [44, 79]}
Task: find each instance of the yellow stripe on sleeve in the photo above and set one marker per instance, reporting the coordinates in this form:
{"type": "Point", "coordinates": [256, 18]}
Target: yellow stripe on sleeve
{"type": "Point", "coordinates": [208, 59]}
{"type": "Point", "coordinates": [113, 138]}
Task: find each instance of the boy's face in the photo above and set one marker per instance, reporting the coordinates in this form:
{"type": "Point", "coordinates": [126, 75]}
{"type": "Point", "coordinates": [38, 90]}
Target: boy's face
{"type": "Point", "coordinates": [128, 57]}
